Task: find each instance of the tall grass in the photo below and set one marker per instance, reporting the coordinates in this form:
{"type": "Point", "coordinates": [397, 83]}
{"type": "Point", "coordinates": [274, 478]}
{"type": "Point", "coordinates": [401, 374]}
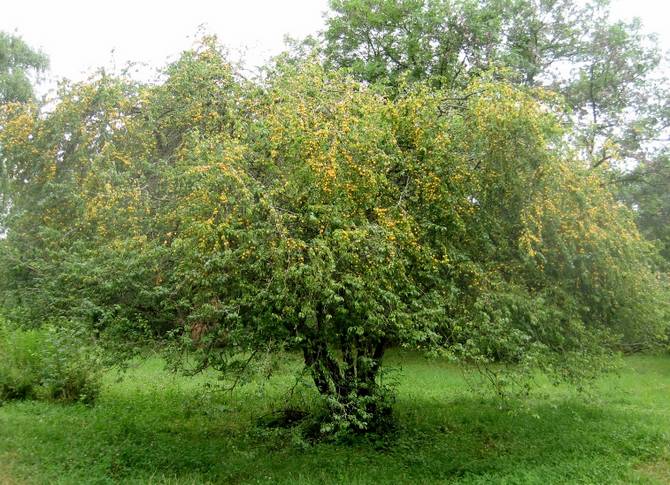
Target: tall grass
{"type": "Point", "coordinates": [48, 364]}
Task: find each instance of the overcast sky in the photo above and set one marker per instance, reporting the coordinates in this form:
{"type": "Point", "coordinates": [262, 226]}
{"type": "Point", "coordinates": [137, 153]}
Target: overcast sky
{"type": "Point", "coordinates": [82, 35]}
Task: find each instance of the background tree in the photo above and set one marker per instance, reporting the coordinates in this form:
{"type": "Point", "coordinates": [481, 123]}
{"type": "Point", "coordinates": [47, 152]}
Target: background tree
{"type": "Point", "coordinates": [18, 63]}
{"type": "Point", "coordinates": [452, 40]}
{"type": "Point", "coordinates": [646, 189]}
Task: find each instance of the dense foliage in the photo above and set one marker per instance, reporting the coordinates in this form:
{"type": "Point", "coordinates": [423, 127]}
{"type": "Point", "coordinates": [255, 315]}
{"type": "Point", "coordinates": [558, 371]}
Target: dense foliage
{"type": "Point", "coordinates": [51, 363]}
{"type": "Point", "coordinates": [424, 197]}
{"type": "Point", "coordinates": [314, 212]}
{"type": "Point", "coordinates": [611, 74]}
{"type": "Point", "coordinates": [608, 71]}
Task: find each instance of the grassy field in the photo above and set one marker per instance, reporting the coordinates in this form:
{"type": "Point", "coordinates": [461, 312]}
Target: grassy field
{"type": "Point", "coordinates": [153, 427]}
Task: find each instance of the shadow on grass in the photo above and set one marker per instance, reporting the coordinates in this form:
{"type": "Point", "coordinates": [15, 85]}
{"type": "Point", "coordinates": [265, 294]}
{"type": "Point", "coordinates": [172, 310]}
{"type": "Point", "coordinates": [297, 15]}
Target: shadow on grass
{"type": "Point", "coordinates": [170, 435]}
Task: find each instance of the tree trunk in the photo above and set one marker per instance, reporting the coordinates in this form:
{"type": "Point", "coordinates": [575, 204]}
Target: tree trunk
{"type": "Point", "coordinates": [350, 385]}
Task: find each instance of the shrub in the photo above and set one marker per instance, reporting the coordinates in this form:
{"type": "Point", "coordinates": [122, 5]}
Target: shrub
{"type": "Point", "coordinates": [47, 364]}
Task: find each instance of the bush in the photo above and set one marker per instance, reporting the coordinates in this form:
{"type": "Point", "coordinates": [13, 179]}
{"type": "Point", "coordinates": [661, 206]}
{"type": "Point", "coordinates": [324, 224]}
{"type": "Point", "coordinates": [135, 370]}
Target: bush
{"type": "Point", "coordinates": [47, 364]}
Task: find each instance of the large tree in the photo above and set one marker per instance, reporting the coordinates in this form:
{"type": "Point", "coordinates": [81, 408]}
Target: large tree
{"type": "Point", "coordinates": [318, 213]}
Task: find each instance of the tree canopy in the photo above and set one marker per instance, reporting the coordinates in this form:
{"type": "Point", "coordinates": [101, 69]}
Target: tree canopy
{"type": "Point", "coordinates": [611, 75]}
{"type": "Point", "coordinates": [328, 212]}
{"type": "Point", "coordinates": [604, 68]}
{"type": "Point", "coordinates": [317, 213]}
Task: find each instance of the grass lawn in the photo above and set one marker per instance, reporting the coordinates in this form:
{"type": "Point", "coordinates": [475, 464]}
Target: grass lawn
{"type": "Point", "coordinates": [154, 427]}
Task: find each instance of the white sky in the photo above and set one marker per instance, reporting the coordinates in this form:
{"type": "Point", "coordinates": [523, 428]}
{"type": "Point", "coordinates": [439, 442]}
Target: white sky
{"type": "Point", "coordinates": [80, 35]}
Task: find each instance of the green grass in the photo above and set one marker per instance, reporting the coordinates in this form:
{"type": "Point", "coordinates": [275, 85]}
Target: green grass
{"type": "Point", "coordinates": [153, 427]}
